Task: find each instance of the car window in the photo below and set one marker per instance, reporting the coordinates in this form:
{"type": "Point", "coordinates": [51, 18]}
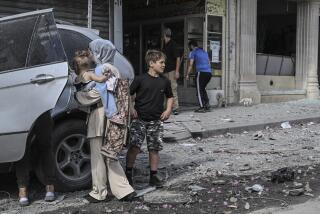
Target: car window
{"type": "Point", "coordinates": [29, 41]}
{"type": "Point", "coordinates": [15, 36]}
{"type": "Point", "coordinates": [73, 41]}
{"type": "Point", "coordinates": [45, 46]}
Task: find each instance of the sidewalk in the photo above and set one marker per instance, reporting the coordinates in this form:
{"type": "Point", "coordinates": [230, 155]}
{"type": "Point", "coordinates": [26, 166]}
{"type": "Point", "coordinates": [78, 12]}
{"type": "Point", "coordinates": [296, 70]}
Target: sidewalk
{"type": "Point", "coordinates": [239, 118]}
{"type": "Point", "coordinates": [309, 207]}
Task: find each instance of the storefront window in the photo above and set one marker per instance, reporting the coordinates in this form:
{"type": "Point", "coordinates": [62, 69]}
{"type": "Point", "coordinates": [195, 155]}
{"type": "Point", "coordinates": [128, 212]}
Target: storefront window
{"type": "Point", "coordinates": [214, 46]}
{"type": "Point", "coordinates": [276, 37]}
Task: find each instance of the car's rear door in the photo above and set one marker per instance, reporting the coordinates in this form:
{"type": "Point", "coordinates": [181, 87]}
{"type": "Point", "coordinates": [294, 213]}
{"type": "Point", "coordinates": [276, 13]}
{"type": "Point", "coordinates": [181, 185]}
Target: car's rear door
{"type": "Point", "coordinates": [33, 73]}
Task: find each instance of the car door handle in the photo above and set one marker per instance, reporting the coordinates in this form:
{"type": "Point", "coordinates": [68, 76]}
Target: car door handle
{"type": "Point", "coordinates": [42, 78]}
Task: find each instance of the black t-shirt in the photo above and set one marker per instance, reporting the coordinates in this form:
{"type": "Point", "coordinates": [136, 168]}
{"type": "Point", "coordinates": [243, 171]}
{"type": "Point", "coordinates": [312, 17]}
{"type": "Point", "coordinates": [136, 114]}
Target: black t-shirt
{"type": "Point", "coordinates": [150, 92]}
{"type": "Point", "coordinates": [171, 51]}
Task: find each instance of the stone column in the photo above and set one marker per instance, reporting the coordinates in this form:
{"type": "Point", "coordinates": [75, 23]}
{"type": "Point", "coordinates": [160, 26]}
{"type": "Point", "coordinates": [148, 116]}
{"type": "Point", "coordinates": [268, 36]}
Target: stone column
{"type": "Point", "coordinates": [247, 13]}
{"type": "Point", "coordinates": [307, 47]}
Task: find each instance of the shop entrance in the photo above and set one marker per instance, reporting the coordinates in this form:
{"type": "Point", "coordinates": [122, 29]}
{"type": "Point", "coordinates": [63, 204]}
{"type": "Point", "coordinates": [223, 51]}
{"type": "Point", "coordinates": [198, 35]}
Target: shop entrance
{"type": "Point", "coordinates": [207, 31]}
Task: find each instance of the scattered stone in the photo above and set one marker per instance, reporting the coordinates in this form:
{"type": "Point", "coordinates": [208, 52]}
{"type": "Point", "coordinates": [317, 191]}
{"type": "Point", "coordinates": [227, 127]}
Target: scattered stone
{"type": "Point", "coordinates": [310, 123]}
{"type": "Point", "coordinates": [299, 171]}
{"type": "Point", "coordinates": [196, 188]}
{"type": "Point", "coordinates": [308, 147]}
{"type": "Point", "coordinates": [296, 192]}
{"type": "Point", "coordinates": [307, 187]}
{"type": "Point", "coordinates": [245, 132]}
{"type": "Point", "coordinates": [219, 182]}
{"type": "Point", "coordinates": [219, 173]}
{"type": "Point", "coordinates": [308, 194]}
{"type": "Point", "coordinates": [297, 185]}
{"type": "Point", "coordinates": [193, 193]}
{"type": "Point", "coordinates": [247, 168]}
{"type": "Point", "coordinates": [247, 206]}
{"type": "Point", "coordinates": [187, 144]}
{"type": "Point", "coordinates": [107, 210]}
{"type": "Point", "coordinates": [286, 125]}
{"type": "Point", "coordinates": [255, 188]}
{"type": "Point", "coordinates": [310, 168]}
{"type": "Point", "coordinates": [142, 207]}
{"type": "Point", "coordinates": [310, 158]}
{"type": "Point", "coordinates": [271, 138]}
{"type": "Point", "coordinates": [228, 134]}
{"type": "Point", "coordinates": [233, 200]}
{"type": "Point", "coordinates": [258, 135]}
{"type": "Point", "coordinates": [200, 149]}
{"type": "Point", "coordinates": [282, 175]}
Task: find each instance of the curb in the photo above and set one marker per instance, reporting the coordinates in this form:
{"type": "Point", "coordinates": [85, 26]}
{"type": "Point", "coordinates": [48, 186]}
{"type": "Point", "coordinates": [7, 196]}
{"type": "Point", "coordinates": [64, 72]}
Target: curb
{"type": "Point", "coordinates": [253, 127]}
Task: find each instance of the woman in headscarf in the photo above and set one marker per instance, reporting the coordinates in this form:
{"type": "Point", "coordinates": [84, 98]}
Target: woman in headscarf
{"type": "Point", "coordinates": [104, 162]}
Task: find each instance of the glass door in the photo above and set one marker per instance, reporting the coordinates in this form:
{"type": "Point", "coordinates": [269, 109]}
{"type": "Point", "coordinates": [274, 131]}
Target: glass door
{"type": "Point", "coordinates": [195, 31]}
{"type": "Point", "coordinates": [214, 48]}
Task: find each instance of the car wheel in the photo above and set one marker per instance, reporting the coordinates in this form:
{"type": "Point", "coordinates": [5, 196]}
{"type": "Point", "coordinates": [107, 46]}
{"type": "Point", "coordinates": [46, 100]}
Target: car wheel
{"type": "Point", "coordinates": [71, 151]}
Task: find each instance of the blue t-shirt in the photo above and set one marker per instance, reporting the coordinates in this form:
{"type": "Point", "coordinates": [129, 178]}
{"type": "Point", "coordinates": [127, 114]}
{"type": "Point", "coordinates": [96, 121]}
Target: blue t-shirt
{"type": "Point", "coordinates": [201, 59]}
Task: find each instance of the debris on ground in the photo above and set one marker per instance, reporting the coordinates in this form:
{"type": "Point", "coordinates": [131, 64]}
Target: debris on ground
{"type": "Point", "coordinates": [219, 182]}
{"type": "Point", "coordinates": [145, 191]}
{"type": "Point", "coordinates": [258, 135]}
{"type": "Point", "coordinates": [286, 125]}
{"type": "Point", "coordinates": [196, 188]}
{"type": "Point", "coordinates": [296, 192]}
{"type": "Point", "coordinates": [187, 144]}
{"type": "Point", "coordinates": [255, 188]}
{"type": "Point", "coordinates": [233, 199]}
{"type": "Point", "coordinates": [282, 175]}
{"type": "Point", "coordinates": [142, 207]}
{"type": "Point", "coordinates": [271, 137]}
{"type": "Point", "coordinates": [307, 187]}
{"type": "Point", "coordinates": [247, 206]}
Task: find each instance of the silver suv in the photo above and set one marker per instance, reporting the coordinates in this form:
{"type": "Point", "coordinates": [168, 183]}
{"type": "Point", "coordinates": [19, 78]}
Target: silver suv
{"type": "Point", "coordinates": [35, 60]}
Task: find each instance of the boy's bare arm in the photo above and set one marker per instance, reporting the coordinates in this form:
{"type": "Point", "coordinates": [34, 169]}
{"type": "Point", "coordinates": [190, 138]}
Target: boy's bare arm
{"type": "Point", "coordinates": [166, 114]}
{"type": "Point", "coordinates": [133, 111]}
{"type": "Point", "coordinates": [97, 78]}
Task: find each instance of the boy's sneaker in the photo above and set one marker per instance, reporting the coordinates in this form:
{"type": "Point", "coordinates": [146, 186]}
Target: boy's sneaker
{"type": "Point", "coordinates": [156, 181]}
{"type": "Point", "coordinates": [200, 110]}
{"type": "Point", "coordinates": [207, 108]}
{"type": "Point", "coordinates": [175, 111]}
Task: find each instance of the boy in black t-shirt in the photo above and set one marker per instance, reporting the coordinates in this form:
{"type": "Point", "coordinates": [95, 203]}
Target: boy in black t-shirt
{"type": "Point", "coordinates": [150, 90]}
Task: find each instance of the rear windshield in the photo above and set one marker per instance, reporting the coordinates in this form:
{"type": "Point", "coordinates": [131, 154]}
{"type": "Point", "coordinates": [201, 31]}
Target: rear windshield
{"type": "Point", "coordinates": [29, 41]}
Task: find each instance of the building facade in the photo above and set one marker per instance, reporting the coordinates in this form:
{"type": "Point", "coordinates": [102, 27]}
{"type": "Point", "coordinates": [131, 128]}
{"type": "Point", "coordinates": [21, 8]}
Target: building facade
{"type": "Point", "coordinates": [266, 50]}
{"type": "Point", "coordinates": [75, 12]}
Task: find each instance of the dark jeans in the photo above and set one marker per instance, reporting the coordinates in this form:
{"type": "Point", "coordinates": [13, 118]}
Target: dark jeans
{"type": "Point", "coordinates": [202, 80]}
{"type": "Point", "coordinates": [42, 149]}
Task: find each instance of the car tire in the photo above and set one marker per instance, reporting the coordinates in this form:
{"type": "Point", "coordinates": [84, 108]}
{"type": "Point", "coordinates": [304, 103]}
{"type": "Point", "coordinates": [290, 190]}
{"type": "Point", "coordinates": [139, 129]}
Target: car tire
{"type": "Point", "coordinates": [71, 157]}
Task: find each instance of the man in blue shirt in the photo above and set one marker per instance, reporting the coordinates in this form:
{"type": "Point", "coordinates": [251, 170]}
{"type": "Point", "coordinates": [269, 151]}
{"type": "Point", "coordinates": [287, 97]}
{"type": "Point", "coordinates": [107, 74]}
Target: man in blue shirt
{"type": "Point", "coordinates": [203, 74]}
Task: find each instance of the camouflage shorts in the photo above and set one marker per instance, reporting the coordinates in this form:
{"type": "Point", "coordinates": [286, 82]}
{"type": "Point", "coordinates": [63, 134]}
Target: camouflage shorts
{"type": "Point", "coordinates": [152, 131]}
